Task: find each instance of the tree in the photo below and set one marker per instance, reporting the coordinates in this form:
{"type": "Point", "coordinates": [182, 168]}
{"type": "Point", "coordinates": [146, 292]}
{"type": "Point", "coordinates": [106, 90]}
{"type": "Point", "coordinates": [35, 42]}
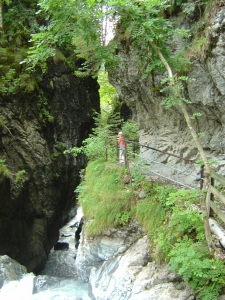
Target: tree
{"type": "Point", "coordinates": [142, 24]}
{"type": "Point", "coordinates": [1, 11]}
{"type": "Point", "coordinates": [73, 25]}
{"type": "Point", "coordinates": [78, 24]}
{"type": "Point", "coordinates": [1, 18]}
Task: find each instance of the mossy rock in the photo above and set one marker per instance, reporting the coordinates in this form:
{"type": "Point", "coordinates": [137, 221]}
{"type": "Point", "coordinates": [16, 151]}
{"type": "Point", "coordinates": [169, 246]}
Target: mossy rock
{"type": "Point", "coordinates": [28, 82]}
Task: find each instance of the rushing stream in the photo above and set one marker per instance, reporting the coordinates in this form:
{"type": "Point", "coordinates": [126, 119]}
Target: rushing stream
{"type": "Point", "coordinates": [59, 280]}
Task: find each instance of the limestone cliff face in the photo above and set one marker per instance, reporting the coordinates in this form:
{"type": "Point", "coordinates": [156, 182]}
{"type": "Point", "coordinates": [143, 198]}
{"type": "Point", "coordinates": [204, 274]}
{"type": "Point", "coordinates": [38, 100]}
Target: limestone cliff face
{"type": "Point", "coordinates": [118, 265]}
{"type": "Point", "coordinates": [38, 127]}
{"type": "Point", "coordinates": [165, 129]}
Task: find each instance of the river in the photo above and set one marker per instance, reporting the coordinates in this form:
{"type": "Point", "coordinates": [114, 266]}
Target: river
{"type": "Point", "coordinates": [59, 280]}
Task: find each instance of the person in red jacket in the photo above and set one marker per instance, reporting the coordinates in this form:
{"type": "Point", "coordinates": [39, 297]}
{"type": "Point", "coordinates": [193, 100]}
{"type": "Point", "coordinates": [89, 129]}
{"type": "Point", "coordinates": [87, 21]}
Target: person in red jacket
{"type": "Point", "coordinates": [121, 147]}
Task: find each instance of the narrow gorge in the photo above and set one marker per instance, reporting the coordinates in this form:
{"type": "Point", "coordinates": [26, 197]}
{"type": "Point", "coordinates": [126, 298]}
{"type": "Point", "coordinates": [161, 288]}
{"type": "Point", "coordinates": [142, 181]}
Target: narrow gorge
{"type": "Point", "coordinates": [51, 107]}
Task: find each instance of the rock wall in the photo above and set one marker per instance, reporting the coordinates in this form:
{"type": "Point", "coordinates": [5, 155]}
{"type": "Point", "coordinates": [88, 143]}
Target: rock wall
{"type": "Point", "coordinates": [118, 265]}
{"type": "Point", "coordinates": [38, 126]}
{"type": "Point", "coordinates": [166, 129]}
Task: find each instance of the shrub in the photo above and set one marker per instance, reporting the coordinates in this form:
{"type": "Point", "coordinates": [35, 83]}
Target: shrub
{"type": "Point", "coordinates": [4, 171]}
{"type": "Point", "coordinates": [104, 198]}
{"type": "Point", "coordinates": [20, 176]}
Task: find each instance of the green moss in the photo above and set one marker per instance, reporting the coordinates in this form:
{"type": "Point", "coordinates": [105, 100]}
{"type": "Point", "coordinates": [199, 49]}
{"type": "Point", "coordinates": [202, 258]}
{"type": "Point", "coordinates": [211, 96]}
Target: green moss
{"type": "Point", "coordinates": [28, 82]}
{"type": "Point", "coordinates": [59, 56]}
{"type": "Point", "coordinates": [199, 48]}
{"type": "Point", "coordinates": [4, 171]}
{"type": "Point", "coordinates": [1, 123]}
{"type": "Point", "coordinates": [13, 77]}
{"type": "Point", "coordinates": [170, 217]}
{"type": "Point", "coordinates": [20, 176]}
{"type": "Point", "coordinates": [104, 198]}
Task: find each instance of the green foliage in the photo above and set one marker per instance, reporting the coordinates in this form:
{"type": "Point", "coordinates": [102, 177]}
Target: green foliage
{"type": "Point", "coordinates": [8, 81]}
{"type": "Point", "coordinates": [75, 30]}
{"type": "Point", "coordinates": [190, 7]}
{"type": "Point", "coordinates": [195, 115]}
{"type": "Point", "coordinates": [20, 176]}
{"type": "Point", "coordinates": [1, 124]}
{"type": "Point", "coordinates": [176, 3]}
{"type": "Point", "coordinates": [61, 145]}
{"type": "Point", "coordinates": [44, 113]}
{"type": "Point", "coordinates": [123, 218]}
{"type": "Point", "coordinates": [55, 154]}
{"type": "Point", "coordinates": [183, 243]}
{"type": "Point", "coordinates": [193, 263]}
{"type": "Point", "coordinates": [152, 211]}
{"type": "Point", "coordinates": [113, 119]}
{"type": "Point", "coordinates": [27, 82]}
{"type": "Point", "coordinates": [171, 217]}
{"type": "Point", "coordinates": [141, 22]}
{"type": "Point", "coordinates": [174, 88]}
{"type": "Point", "coordinates": [185, 217]}
{"type": "Point", "coordinates": [75, 151]}
{"type": "Point", "coordinates": [130, 130]}
{"type": "Point", "coordinates": [94, 146]}
{"type": "Point", "coordinates": [19, 21]}
{"type": "Point", "coordinates": [151, 214]}
{"type": "Point", "coordinates": [40, 52]}
{"type": "Point", "coordinates": [138, 172]}
{"type": "Point", "coordinates": [199, 48]}
{"type": "Point", "coordinates": [104, 198]}
{"type": "Point", "coordinates": [107, 92]}
{"type": "Point", "coordinates": [211, 162]}
{"type": "Point", "coordinates": [201, 134]}
{"type": "Point", "coordinates": [179, 63]}
{"type": "Point", "coordinates": [175, 224]}
{"type": "Point", "coordinates": [4, 171]}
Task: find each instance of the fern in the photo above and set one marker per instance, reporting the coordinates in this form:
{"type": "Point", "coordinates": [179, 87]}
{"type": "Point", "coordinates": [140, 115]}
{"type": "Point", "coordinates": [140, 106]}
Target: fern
{"type": "Point", "coordinates": [193, 263]}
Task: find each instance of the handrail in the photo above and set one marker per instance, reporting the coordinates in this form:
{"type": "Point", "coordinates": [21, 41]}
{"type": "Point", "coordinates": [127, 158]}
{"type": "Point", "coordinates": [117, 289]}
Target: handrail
{"type": "Point", "coordinates": [217, 193]}
{"type": "Point", "coordinates": [151, 148]}
{"type": "Point", "coordinates": [136, 143]}
{"type": "Point", "coordinates": [212, 191]}
{"type": "Point", "coordinates": [171, 154]}
{"type": "Point", "coordinates": [218, 177]}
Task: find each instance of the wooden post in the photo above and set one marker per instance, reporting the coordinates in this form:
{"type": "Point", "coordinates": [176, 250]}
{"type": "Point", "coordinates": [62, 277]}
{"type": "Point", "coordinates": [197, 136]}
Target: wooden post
{"type": "Point", "coordinates": [134, 149]}
{"type": "Point", "coordinates": [207, 203]}
{"type": "Point", "coordinates": [212, 182]}
{"type": "Point", "coordinates": [210, 198]}
{"type": "Point", "coordinates": [201, 177]}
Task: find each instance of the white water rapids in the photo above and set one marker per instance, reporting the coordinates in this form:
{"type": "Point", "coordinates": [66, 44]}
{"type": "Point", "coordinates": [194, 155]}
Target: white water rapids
{"type": "Point", "coordinates": [51, 285]}
{"type": "Point", "coordinates": [67, 289]}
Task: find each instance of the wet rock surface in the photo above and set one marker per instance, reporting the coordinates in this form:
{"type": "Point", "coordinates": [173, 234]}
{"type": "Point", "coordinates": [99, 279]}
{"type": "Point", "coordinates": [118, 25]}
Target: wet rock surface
{"type": "Point", "coordinates": [38, 127]}
{"type": "Point", "coordinates": [10, 270]}
{"type": "Point", "coordinates": [118, 265]}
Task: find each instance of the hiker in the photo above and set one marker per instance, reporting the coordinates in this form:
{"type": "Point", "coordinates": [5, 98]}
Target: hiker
{"type": "Point", "coordinates": [121, 147]}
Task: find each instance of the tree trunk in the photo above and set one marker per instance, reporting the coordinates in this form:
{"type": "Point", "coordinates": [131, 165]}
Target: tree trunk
{"type": "Point", "coordinates": [208, 234]}
{"type": "Point", "coordinates": [184, 110]}
{"type": "Point", "coordinates": [1, 18]}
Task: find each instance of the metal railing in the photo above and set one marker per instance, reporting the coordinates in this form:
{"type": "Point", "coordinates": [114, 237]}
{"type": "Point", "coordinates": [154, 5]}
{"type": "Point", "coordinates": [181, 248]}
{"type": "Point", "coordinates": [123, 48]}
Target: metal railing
{"type": "Point", "coordinates": [212, 192]}
{"type": "Point", "coordinates": [135, 146]}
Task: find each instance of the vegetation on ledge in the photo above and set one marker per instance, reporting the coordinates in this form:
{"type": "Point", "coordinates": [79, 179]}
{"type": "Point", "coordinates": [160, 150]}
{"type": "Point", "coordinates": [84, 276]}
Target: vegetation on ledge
{"type": "Point", "coordinates": [171, 217]}
{"type": "Point", "coordinates": [173, 220]}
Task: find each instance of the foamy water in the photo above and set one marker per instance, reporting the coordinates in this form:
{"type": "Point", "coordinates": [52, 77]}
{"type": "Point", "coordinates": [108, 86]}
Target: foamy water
{"type": "Point", "coordinates": [61, 288]}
